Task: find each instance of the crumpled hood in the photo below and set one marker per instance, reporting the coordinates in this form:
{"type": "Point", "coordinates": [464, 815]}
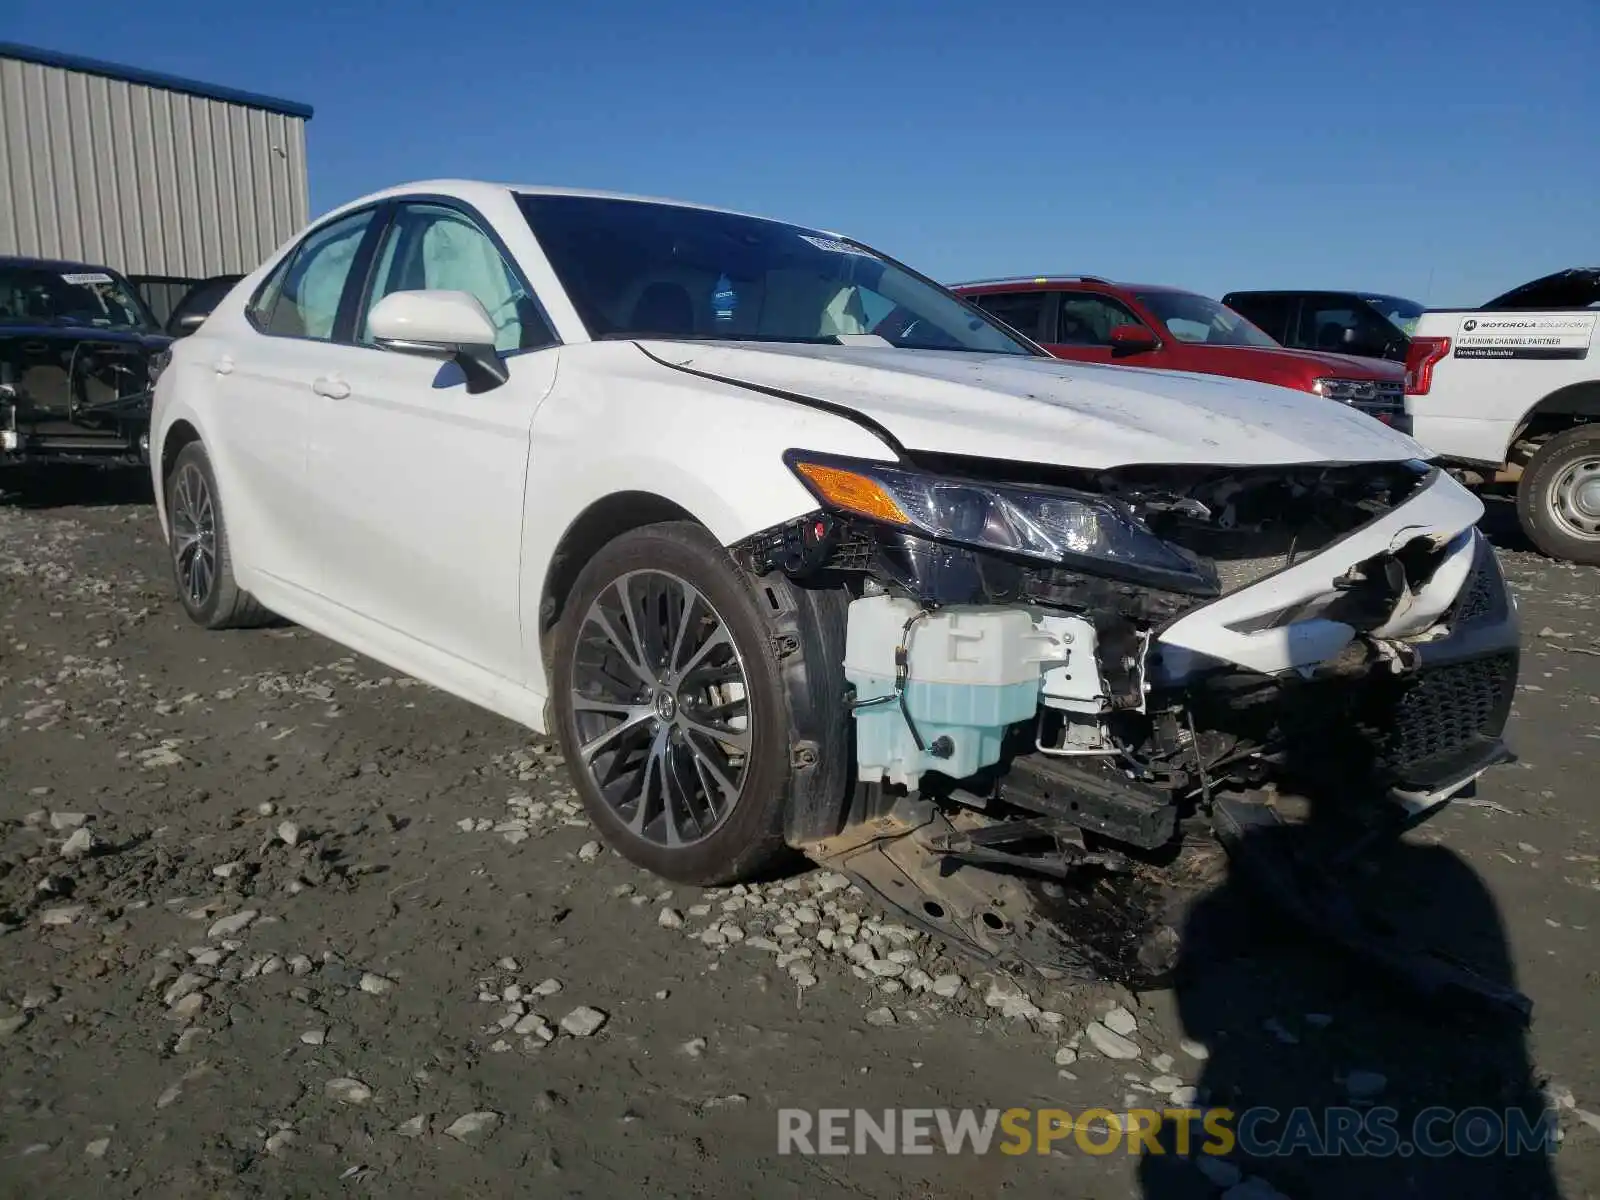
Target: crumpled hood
{"type": "Point", "coordinates": [1045, 410]}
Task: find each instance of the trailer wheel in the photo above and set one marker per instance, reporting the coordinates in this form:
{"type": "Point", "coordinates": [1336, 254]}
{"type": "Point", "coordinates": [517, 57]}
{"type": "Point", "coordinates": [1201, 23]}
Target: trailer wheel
{"type": "Point", "coordinates": [1558, 498]}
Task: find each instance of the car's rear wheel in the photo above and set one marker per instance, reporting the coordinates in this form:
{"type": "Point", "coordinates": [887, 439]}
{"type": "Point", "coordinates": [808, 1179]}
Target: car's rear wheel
{"type": "Point", "coordinates": [197, 536]}
{"type": "Point", "coordinates": [1558, 498]}
{"type": "Point", "coordinates": [669, 707]}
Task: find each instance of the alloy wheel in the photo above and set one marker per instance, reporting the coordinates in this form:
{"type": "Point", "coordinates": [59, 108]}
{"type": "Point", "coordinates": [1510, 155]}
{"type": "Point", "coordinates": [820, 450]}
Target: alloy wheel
{"type": "Point", "coordinates": [194, 534]}
{"type": "Point", "coordinates": [660, 700]}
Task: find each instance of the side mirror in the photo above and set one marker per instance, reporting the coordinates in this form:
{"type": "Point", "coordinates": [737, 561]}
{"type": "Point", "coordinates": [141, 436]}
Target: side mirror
{"type": "Point", "coordinates": [1132, 339]}
{"type": "Point", "coordinates": [183, 324]}
{"type": "Point", "coordinates": [441, 324]}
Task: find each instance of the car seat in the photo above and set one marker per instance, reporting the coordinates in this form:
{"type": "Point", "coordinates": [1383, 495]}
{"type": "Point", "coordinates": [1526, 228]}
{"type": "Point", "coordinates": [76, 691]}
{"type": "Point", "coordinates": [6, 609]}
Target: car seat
{"type": "Point", "coordinates": [664, 309]}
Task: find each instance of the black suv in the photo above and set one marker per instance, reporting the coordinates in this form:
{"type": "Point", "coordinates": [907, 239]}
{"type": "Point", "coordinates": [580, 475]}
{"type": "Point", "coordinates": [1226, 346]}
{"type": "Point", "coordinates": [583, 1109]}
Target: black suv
{"type": "Point", "coordinates": [1367, 324]}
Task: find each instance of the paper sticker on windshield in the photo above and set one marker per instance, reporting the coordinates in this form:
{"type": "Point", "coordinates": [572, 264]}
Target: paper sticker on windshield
{"type": "Point", "coordinates": [835, 246]}
{"type": "Point", "coordinates": [88, 277]}
{"type": "Point", "coordinates": [1519, 335]}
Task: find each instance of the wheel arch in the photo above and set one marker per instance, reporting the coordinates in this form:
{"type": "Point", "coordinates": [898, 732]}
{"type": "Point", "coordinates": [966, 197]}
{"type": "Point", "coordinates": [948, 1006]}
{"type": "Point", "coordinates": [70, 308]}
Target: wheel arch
{"type": "Point", "coordinates": [603, 521]}
{"type": "Point", "coordinates": [1561, 409]}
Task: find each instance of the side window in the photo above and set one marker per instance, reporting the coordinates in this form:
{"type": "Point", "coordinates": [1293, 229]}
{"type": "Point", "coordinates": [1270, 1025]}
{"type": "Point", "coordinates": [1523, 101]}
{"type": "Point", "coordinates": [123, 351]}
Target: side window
{"type": "Point", "coordinates": [1273, 315]}
{"type": "Point", "coordinates": [429, 246]}
{"type": "Point", "coordinates": [1087, 319]}
{"type": "Point", "coordinates": [1023, 311]}
{"type": "Point", "coordinates": [301, 298]}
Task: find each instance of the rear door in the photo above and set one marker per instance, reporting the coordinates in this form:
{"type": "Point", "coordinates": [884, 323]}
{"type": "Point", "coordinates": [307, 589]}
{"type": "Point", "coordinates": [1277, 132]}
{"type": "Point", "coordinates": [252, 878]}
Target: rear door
{"type": "Point", "coordinates": [266, 372]}
{"type": "Point", "coordinates": [1026, 312]}
{"type": "Point", "coordinates": [420, 484]}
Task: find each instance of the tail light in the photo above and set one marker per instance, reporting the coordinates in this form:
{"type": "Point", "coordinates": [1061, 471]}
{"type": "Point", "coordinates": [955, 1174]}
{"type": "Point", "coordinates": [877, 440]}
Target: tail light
{"type": "Point", "coordinates": [1420, 358]}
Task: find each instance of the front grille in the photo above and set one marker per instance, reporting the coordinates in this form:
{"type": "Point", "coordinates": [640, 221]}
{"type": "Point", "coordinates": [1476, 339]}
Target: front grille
{"type": "Point", "coordinates": [1373, 396]}
{"type": "Point", "coordinates": [1443, 708]}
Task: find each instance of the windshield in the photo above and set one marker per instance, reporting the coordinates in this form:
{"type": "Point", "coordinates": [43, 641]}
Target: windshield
{"type": "Point", "coordinates": [1202, 321]}
{"type": "Point", "coordinates": [39, 295]}
{"type": "Point", "coordinates": [641, 269]}
{"type": "Point", "coordinates": [1402, 314]}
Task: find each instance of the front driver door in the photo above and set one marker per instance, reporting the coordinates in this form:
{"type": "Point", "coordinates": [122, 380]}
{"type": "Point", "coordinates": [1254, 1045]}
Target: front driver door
{"type": "Point", "coordinates": [421, 483]}
{"type": "Point", "coordinates": [1084, 321]}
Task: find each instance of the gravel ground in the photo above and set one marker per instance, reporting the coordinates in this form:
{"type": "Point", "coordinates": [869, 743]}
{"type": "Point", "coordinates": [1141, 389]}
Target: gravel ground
{"type": "Point", "coordinates": [275, 921]}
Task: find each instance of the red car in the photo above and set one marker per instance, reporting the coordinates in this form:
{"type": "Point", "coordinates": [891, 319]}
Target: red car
{"type": "Point", "coordinates": [1088, 319]}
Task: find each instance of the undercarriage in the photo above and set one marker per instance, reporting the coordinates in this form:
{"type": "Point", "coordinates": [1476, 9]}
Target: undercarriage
{"type": "Point", "coordinates": [1047, 758]}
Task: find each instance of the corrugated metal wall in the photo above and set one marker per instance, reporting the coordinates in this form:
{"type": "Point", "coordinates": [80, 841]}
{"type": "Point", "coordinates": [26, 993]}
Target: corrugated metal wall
{"type": "Point", "coordinates": [141, 179]}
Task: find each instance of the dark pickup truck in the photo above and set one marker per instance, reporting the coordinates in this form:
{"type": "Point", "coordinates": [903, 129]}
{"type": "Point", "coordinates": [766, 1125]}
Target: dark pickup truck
{"type": "Point", "coordinates": [1365, 324]}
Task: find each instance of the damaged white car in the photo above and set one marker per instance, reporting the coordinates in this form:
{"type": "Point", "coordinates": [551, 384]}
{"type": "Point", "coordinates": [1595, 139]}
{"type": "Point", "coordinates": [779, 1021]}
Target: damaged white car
{"type": "Point", "coordinates": [790, 547]}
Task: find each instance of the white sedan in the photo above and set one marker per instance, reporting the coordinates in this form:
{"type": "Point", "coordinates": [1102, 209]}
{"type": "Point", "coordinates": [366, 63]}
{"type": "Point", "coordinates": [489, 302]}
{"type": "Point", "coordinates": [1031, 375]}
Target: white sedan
{"type": "Point", "coordinates": [772, 531]}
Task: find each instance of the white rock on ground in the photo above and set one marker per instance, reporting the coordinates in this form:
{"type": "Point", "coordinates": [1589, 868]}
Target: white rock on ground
{"type": "Point", "coordinates": [589, 851]}
{"type": "Point", "coordinates": [694, 1047]}
{"type": "Point", "coordinates": [669, 918]}
{"type": "Point", "coordinates": [473, 1127]}
{"type": "Point", "coordinates": [1120, 1020]}
{"type": "Point", "coordinates": [79, 845]}
{"type": "Point", "coordinates": [415, 1127]}
{"type": "Point", "coordinates": [98, 1148]}
{"type": "Point", "coordinates": [548, 988]}
{"type": "Point", "coordinates": [1110, 1043]}
{"type": "Point", "coordinates": [881, 1017]}
{"type": "Point", "coordinates": [235, 924]}
{"type": "Point", "coordinates": [289, 833]}
{"type": "Point", "coordinates": [376, 985]}
{"type": "Point", "coordinates": [63, 821]}
{"type": "Point", "coordinates": [1195, 1050]}
{"type": "Point", "coordinates": [314, 1037]}
{"type": "Point", "coordinates": [348, 1091]}
{"type": "Point", "coordinates": [583, 1022]}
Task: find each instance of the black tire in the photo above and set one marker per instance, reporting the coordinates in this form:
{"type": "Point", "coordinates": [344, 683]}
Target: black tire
{"type": "Point", "coordinates": [1551, 512]}
{"type": "Point", "coordinates": [749, 838]}
{"type": "Point", "coordinates": [221, 603]}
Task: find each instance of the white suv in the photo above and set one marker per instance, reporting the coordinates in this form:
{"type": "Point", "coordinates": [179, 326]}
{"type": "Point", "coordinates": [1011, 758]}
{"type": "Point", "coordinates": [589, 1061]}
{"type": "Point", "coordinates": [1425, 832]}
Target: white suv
{"type": "Point", "coordinates": [774, 533]}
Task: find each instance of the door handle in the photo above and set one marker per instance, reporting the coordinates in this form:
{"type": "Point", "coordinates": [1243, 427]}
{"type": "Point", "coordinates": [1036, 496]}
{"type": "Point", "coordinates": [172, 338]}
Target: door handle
{"type": "Point", "coordinates": [330, 386]}
{"type": "Point", "coordinates": [223, 365]}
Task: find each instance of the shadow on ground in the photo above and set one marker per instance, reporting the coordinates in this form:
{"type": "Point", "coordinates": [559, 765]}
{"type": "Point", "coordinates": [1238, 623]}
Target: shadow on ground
{"type": "Point", "coordinates": [1306, 1040]}
{"type": "Point", "coordinates": [72, 486]}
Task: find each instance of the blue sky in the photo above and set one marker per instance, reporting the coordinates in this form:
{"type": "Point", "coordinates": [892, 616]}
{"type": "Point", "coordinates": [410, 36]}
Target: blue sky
{"type": "Point", "coordinates": [1441, 150]}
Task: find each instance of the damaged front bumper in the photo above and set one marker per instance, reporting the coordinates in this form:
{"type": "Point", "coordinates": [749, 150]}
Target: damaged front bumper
{"type": "Point", "coordinates": [1016, 724]}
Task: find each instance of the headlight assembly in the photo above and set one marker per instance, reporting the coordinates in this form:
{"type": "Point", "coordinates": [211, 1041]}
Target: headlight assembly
{"type": "Point", "coordinates": [1054, 525]}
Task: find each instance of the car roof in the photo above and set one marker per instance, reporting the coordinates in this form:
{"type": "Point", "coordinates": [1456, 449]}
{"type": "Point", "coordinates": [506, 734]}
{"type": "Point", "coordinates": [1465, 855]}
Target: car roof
{"type": "Point", "coordinates": [478, 190]}
{"type": "Point", "coordinates": [52, 264]}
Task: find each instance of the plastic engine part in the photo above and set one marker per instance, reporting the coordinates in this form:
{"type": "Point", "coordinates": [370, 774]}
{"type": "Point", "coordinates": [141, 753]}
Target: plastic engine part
{"type": "Point", "coordinates": [952, 679]}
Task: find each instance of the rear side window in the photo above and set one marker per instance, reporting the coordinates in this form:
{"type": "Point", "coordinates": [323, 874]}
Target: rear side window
{"type": "Point", "coordinates": [301, 298]}
{"type": "Point", "coordinates": [1023, 311]}
{"type": "Point", "coordinates": [1273, 315]}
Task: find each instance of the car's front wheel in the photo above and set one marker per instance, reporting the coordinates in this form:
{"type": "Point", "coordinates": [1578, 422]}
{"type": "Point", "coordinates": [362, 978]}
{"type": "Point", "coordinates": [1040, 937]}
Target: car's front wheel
{"type": "Point", "coordinates": [669, 707]}
{"type": "Point", "coordinates": [197, 537]}
{"type": "Point", "coordinates": [1558, 497]}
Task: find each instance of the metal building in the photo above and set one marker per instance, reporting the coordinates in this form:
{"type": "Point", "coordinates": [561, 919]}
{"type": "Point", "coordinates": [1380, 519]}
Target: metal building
{"type": "Point", "coordinates": [144, 173]}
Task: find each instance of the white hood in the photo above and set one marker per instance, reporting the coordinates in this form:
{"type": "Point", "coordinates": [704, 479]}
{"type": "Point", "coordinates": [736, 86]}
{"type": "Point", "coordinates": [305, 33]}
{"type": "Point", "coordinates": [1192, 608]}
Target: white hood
{"type": "Point", "coordinates": [1044, 410]}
